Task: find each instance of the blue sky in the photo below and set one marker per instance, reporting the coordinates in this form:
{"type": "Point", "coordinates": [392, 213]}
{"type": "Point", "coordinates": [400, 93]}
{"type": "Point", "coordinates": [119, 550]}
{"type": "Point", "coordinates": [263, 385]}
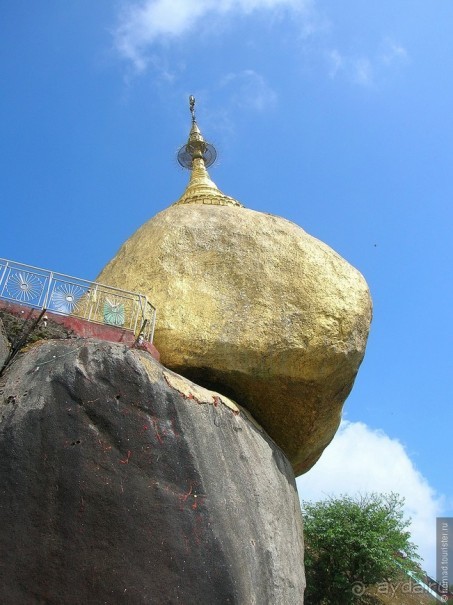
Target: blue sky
{"type": "Point", "coordinates": [334, 115]}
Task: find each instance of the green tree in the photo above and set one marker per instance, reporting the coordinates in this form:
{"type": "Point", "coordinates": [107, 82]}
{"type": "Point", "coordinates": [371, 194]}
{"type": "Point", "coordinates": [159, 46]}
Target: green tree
{"type": "Point", "coordinates": [352, 543]}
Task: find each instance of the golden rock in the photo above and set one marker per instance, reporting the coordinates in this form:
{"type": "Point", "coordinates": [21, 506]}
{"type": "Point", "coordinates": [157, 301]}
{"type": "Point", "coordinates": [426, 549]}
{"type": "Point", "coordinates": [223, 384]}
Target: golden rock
{"type": "Point", "coordinates": [250, 305]}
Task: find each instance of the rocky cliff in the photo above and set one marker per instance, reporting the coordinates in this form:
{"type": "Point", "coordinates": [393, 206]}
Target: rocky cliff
{"type": "Point", "coordinates": [124, 483]}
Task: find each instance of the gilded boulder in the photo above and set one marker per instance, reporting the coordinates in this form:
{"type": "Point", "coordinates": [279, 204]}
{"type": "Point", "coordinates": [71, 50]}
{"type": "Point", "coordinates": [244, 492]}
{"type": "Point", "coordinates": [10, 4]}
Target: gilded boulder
{"type": "Point", "coordinates": [252, 306]}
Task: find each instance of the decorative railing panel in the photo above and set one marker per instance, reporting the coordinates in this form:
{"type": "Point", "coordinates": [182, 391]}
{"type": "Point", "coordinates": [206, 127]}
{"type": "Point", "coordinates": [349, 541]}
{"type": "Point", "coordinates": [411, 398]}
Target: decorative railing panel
{"type": "Point", "coordinates": [65, 295]}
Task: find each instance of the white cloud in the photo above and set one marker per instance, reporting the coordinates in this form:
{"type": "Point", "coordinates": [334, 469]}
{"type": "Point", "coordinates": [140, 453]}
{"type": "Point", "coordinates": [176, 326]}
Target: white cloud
{"type": "Point", "coordinates": [359, 70]}
{"type": "Point", "coordinates": [392, 52]}
{"type": "Point", "coordinates": [363, 71]}
{"type": "Point", "coordinates": [366, 70]}
{"type": "Point", "coordinates": [144, 23]}
{"type": "Point", "coordinates": [250, 90]}
{"type": "Point", "coordinates": [146, 27]}
{"type": "Point", "coordinates": [336, 62]}
{"type": "Point", "coordinates": [362, 460]}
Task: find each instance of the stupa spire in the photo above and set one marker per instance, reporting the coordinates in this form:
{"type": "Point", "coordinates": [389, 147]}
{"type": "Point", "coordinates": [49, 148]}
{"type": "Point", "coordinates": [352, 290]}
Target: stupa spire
{"type": "Point", "coordinates": [197, 155]}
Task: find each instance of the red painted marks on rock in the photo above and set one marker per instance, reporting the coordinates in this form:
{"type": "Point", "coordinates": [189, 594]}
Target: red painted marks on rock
{"type": "Point", "coordinates": [126, 459]}
{"type": "Point", "coordinates": [163, 428]}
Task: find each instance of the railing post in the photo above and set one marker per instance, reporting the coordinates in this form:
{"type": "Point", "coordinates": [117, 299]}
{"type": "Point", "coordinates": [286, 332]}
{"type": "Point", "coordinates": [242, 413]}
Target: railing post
{"type": "Point", "coordinates": [4, 273]}
{"type": "Point", "coordinates": [153, 324]}
{"type": "Point", "coordinates": [45, 302]}
{"type": "Point", "coordinates": [139, 308]}
{"type": "Point", "coordinates": [93, 300]}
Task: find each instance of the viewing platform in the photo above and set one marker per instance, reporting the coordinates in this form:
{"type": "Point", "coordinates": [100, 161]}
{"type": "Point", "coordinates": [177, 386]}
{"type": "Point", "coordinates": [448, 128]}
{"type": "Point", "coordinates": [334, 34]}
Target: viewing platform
{"type": "Point", "coordinates": [86, 309]}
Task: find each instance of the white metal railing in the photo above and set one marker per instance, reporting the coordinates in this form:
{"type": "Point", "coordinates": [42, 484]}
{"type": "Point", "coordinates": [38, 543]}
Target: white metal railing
{"type": "Point", "coordinates": [66, 295]}
{"type": "Point", "coordinates": [429, 587]}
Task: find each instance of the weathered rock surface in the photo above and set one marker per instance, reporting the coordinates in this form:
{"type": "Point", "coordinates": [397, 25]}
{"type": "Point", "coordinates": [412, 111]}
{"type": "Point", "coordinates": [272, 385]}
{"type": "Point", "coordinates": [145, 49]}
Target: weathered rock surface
{"type": "Point", "coordinates": [251, 305]}
{"type": "Point", "coordinates": [23, 326]}
{"type": "Point", "coordinates": [4, 345]}
{"type": "Point", "coordinates": [124, 483]}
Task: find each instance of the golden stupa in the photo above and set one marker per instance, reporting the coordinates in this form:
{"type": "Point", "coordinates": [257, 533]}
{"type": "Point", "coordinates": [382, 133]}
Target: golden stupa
{"type": "Point", "coordinates": [250, 305]}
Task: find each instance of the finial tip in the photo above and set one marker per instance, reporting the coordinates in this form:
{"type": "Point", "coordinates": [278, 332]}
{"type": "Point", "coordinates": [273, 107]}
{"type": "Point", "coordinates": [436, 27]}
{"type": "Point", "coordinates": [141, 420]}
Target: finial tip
{"type": "Point", "coordinates": [192, 107]}
{"type": "Point", "coordinates": [196, 147]}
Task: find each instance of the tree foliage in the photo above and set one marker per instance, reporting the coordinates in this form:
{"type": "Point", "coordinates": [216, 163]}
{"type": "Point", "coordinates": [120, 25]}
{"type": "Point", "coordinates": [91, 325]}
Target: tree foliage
{"type": "Point", "coordinates": [352, 543]}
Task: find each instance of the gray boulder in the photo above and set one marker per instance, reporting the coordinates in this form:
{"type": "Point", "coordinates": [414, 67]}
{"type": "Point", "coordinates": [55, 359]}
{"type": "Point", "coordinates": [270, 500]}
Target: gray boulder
{"type": "Point", "coordinates": [125, 483]}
